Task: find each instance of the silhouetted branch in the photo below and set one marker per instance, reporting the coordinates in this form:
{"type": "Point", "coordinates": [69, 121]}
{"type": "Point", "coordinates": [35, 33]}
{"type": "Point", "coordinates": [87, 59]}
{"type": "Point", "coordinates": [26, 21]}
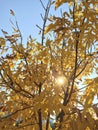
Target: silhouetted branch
{"type": "Point", "coordinates": [15, 112]}
{"type": "Point", "coordinates": [42, 5]}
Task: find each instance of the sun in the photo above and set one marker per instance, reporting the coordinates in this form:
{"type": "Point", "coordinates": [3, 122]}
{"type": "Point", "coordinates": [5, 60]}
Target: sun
{"type": "Point", "coordinates": [61, 80]}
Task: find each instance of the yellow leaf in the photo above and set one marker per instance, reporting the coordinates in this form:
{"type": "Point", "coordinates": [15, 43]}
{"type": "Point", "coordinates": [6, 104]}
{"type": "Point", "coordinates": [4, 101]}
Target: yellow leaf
{"type": "Point", "coordinates": [15, 30]}
{"type": "Point", "coordinates": [12, 12]}
{"type": "Point", "coordinates": [2, 41]}
{"type": "Point", "coordinates": [4, 32]}
{"type": "Point", "coordinates": [48, 28]}
{"type": "Point", "coordinates": [78, 14]}
{"type": "Point", "coordinates": [89, 100]}
{"type": "Point", "coordinates": [48, 42]}
{"type": "Point", "coordinates": [70, 3]}
{"type": "Point", "coordinates": [2, 113]}
{"type": "Point", "coordinates": [59, 2]}
{"type": "Point", "coordinates": [16, 35]}
{"type": "Point", "coordinates": [88, 128]}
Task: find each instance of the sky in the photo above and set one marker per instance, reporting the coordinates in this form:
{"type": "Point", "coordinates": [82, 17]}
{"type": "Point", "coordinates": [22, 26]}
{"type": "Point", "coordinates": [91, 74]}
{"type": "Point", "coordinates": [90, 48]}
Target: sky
{"type": "Point", "coordinates": [27, 13]}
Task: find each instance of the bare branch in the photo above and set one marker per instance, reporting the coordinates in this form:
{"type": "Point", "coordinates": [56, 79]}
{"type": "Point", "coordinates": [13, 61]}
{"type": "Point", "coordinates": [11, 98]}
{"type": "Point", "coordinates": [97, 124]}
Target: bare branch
{"type": "Point", "coordinates": [19, 32]}
{"type": "Point", "coordinates": [9, 115]}
{"type": "Point", "coordinates": [39, 27]}
{"type": "Point", "coordinates": [82, 70]}
{"type": "Point", "coordinates": [82, 88]}
{"type": "Point", "coordinates": [47, 122]}
{"type": "Point", "coordinates": [42, 17]}
{"type": "Point", "coordinates": [42, 5]}
{"type": "Point", "coordinates": [45, 20]}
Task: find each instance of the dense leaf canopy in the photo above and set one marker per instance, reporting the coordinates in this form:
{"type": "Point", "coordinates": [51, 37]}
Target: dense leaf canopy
{"type": "Point", "coordinates": [48, 85]}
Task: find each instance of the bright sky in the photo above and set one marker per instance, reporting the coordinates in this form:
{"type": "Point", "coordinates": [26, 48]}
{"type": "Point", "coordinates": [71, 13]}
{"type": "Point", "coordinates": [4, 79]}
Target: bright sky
{"type": "Point", "coordinates": [27, 13]}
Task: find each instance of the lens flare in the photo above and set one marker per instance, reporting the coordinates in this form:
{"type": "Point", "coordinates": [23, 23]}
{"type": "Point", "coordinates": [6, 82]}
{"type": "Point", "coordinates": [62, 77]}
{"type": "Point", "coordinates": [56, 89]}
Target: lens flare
{"type": "Point", "coordinates": [61, 80]}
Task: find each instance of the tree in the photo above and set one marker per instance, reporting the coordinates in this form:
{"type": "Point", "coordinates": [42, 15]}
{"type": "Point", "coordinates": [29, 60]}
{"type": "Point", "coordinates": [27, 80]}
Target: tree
{"type": "Point", "coordinates": [41, 81]}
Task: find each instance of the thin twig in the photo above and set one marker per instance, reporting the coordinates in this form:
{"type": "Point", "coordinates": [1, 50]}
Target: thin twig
{"type": "Point", "coordinates": [15, 112]}
{"type": "Point", "coordinates": [45, 20]}
{"type": "Point", "coordinates": [39, 27]}
{"type": "Point", "coordinates": [19, 32]}
{"type": "Point", "coordinates": [47, 122]}
{"type": "Point", "coordinates": [42, 5]}
{"type": "Point", "coordinates": [42, 17]}
{"type": "Point", "coordinates": [76, 59]}
{"type": "Point", "coordinates": [82, 70]}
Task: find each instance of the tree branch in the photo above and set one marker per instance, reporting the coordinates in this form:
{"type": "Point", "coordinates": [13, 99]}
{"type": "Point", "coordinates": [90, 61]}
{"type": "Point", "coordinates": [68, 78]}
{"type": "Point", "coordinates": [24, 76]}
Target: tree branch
{"type": "Point", "coordinates": [47, 121]}
{"type": "Point", "coordinates": [42, 5]}
{"type": "Point", "coordinates": [40, 119]}
{"type": "Point", "coordinates": [7, 116]}
{"type": "Point", "coordinates": [45, 19]}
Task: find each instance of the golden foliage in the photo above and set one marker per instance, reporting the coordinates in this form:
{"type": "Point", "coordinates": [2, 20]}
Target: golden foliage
{"type": "Point", "coordinates": [30, 90]}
